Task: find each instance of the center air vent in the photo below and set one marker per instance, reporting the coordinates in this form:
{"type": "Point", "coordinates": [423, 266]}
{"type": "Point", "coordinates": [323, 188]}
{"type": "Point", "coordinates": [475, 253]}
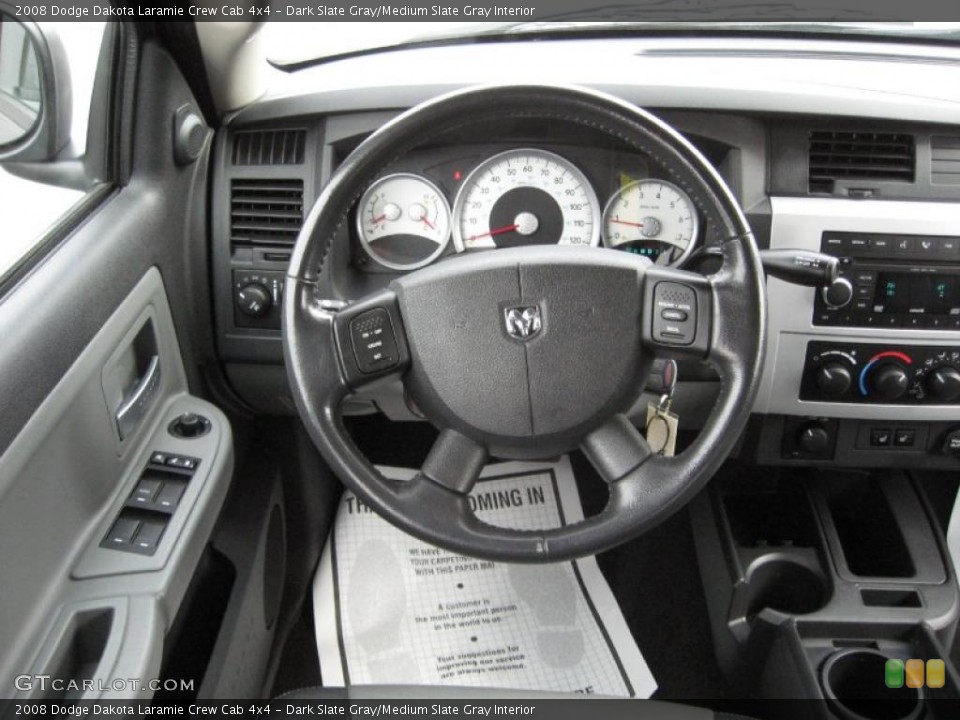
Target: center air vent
{"type": "Point", "coordinates": [269, 147]}
{"type": "Point", "coordinates": [859, 156]}
{"type": "Point", "coordinates": [265, 212]}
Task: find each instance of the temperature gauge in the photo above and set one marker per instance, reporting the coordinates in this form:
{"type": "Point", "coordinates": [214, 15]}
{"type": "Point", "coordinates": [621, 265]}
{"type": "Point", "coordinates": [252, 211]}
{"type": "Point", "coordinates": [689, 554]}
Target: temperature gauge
{"type": "Point", "coordinates": [403, 221]}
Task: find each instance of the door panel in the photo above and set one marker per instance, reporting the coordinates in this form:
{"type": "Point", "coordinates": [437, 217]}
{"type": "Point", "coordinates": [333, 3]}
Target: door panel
{"type": "Point", "coordinates": [80, 331]}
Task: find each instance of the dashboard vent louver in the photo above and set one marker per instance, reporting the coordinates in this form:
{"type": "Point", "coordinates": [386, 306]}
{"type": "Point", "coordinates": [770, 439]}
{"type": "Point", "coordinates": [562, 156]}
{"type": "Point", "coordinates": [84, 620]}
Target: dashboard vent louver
{"type": "Point", "coordinates": [945, 160]}
{"type": "Point", "coordinates": [859, 156]}
{"type": "Point", "coordinates": [265, 212]}
{"type": "Point", "coordinates": [269, 147]}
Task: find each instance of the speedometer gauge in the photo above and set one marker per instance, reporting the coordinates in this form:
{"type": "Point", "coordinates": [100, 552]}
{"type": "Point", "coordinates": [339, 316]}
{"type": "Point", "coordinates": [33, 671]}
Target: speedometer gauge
{"type": "Point", "coordinates": [653, 218]}
{"type": "Point", "coordinates": [525, 197]}
{"type": "Point", "coordinates": [403, 221]}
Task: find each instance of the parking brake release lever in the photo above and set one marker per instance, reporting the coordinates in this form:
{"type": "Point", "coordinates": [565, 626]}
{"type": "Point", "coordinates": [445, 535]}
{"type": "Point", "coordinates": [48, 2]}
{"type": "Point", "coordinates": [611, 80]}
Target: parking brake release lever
{"type": "Point", "coordinates": [801, 267]}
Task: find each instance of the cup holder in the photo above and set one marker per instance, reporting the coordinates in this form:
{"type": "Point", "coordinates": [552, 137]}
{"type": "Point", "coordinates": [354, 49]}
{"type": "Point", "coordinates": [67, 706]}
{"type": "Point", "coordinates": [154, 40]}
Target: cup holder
{"type": "Point", "coordinates": [853, 684]}
{"type": "Point", "coordinates": [785, 584]}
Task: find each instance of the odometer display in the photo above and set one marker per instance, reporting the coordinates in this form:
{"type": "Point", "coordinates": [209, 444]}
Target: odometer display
{"type": "Point", "coordinates": [525, 197]}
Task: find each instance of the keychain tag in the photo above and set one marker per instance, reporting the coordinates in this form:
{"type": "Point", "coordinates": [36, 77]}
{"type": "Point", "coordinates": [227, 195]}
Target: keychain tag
{"type": "Point", "coordinates": [661, 430]}
{"type": "Point", "coordinates": [662, 424]}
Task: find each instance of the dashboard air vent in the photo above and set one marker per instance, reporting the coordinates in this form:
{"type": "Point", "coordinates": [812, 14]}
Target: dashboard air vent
{"type": "Point", "coordinates": [269, 147]}
{"type": "Point", "coordinates": [945, 160]}
{"type": "Point", "coordinates": [859, 156]}
{"type": "Point", "coordinates": [265, 212]}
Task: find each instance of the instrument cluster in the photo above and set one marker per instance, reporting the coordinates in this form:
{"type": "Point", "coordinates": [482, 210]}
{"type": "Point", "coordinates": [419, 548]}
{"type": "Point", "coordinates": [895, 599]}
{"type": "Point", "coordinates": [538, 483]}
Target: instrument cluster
{"type": "Point", "coordinates": [455, 200]}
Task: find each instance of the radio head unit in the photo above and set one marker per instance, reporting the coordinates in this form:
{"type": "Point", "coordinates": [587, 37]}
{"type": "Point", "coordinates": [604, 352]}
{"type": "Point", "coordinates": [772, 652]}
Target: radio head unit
{"type": "Point", "coordinates": [897, 281]}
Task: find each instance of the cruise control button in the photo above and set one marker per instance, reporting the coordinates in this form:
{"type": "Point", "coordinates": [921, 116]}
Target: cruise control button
{"type": "Point", "coordinates": [374, 344]}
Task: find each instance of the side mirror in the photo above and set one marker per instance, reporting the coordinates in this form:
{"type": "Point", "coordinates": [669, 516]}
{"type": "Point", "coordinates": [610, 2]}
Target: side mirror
{"type": "Point", "coordinates": [35, 95]}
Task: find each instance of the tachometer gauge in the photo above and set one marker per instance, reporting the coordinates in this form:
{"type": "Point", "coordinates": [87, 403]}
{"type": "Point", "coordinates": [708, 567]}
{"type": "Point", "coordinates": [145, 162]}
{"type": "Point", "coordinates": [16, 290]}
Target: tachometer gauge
{"type": "Point", "coordinates": [653, 218]}
{"type": "Point", "coordinates": [525, 197]}
{"type": "Point", "coordinates": [403, 221]}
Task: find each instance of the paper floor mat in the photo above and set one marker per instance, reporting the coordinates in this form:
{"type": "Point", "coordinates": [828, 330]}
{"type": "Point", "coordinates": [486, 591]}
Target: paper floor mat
{"type": "Point", "coordinates": [391, 609]}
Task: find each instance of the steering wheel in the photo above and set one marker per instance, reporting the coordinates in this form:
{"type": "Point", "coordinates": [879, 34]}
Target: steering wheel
{"type": "Point", "coordinates": [527, 352]}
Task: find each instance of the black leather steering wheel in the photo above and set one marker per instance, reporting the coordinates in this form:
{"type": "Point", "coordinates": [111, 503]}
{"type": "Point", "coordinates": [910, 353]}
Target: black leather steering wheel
{"type": "Point", "coordinates": [462, 334]}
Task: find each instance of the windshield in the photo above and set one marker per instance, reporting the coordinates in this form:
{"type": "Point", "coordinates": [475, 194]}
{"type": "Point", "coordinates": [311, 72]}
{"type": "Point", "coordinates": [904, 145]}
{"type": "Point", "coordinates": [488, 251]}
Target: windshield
{"type": "Point", "coordinates": [295, 43]}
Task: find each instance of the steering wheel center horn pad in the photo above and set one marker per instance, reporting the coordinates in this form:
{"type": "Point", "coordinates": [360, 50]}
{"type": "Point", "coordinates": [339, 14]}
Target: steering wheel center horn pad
{"type": "Point", "coordinates": [478, 366]}
{"type": "Point", "coordinates": [526, 352]}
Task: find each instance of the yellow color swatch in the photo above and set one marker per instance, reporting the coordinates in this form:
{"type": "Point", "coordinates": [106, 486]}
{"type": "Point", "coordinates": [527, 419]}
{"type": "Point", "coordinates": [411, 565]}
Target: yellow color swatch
{"type": "Point", "coordinates": [915, 673]}
{"type": "Point", "coordinates": [936, 674]}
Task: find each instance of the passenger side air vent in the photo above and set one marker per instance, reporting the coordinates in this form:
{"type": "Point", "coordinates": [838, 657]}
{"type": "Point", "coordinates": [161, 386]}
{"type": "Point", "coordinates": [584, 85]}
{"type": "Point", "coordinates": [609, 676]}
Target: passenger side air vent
{"type": "Point", "coordinates": [945, 160]}
{"type": "Point", "coordinates": [265, 212]}
{"type": "Point", "coordinates": [859, 156]}
{"type": "Point", "coordinates": [269, 147]}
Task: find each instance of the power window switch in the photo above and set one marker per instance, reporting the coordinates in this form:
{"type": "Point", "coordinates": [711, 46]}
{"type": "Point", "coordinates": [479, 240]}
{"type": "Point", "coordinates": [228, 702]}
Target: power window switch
{"type": "Point", "coordinates": [145, 492]}
{"type": "Point", "coordinates": [170, 495]}
{"type": "Point", "coordinates": [158, 458]}
{"type": "Point", "coordinates": [122, 532]}
{"type": "Point", "coordinates": [149, 536]}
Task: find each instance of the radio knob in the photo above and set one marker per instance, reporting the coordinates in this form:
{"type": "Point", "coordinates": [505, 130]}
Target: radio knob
{"type": "Point", "coordinates": [254, 300]}
{"type": "Point", "coordinates": [837, 294]}
{"type": "Point", "coordinates": [944, 383]}
{"type": "Point", "coordinates": [833, 378]}
{"type": "Point", "coordinates": [890, 381]}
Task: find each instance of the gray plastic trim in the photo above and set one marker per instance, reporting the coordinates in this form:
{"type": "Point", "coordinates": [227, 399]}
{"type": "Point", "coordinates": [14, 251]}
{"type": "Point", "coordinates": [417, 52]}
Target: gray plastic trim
{"type": "Point", "coordinates": [860, 79]}
{"type": "Point", "coordinates": [799, 223]}
{"type": "Point", "coordinates": [62, 481]}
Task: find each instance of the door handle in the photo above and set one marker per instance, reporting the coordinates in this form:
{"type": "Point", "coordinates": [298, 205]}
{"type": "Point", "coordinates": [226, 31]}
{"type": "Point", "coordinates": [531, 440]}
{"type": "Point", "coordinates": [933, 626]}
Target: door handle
{"type": "Point", "coordinates": [137, 402]}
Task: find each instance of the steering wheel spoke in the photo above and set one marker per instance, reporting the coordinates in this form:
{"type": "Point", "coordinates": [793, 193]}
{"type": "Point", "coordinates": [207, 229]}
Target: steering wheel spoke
{"type": "Point", "coordinates": [454, 462]}
{"type": "Point", "coordinates": [616, 449]}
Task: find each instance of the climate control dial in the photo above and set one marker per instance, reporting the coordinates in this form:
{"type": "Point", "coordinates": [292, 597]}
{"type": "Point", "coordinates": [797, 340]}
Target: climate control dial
{"type": "Point", "coordinates": [833, 378]}
{"type": "Point", "coordinates": [943, 383]}
{"type": "Point", "coordinates": [889, 381]}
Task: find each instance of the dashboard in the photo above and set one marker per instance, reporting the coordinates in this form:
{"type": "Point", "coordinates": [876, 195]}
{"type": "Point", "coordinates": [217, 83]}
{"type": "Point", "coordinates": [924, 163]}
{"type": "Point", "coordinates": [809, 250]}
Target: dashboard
{"type": "Point", "coordinates": [822, 140]}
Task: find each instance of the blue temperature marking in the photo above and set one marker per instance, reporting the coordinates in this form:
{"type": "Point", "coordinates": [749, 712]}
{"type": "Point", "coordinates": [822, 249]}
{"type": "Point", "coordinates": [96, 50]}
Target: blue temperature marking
{"type": "Point", "coordinates": [863, 376]}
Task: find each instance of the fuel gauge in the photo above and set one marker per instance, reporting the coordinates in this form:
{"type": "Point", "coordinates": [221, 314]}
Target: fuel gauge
{"type": "Point", "coordinates": [403, 221]}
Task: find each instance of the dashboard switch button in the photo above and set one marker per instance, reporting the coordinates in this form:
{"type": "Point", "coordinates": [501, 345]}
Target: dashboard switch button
{"type": "Point", "coordinates": [904, 437]}
{"type": "Point", "coordinates": [881, 437]}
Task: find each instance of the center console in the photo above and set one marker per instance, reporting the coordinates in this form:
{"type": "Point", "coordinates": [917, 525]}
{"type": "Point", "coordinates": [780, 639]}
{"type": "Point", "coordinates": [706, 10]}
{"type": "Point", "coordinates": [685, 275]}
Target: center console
{"type": "Point", "coordinates": [818, 583]}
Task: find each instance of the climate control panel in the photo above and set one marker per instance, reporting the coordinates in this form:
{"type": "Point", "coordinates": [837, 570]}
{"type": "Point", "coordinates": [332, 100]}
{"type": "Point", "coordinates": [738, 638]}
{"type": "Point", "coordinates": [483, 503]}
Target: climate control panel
{"type": "Point", "coordinates": [877, 374]}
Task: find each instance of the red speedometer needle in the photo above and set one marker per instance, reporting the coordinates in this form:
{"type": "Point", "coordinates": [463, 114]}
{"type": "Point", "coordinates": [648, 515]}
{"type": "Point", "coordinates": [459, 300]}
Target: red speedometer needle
{"type": "Point", "coordinates": [378, 219]}
{"type": "Point", "coordinates": [428, 223]}
{"type": "Point", "coordinates": [498, 231]}
{"type": "Point", "coordinates": [624, 222]}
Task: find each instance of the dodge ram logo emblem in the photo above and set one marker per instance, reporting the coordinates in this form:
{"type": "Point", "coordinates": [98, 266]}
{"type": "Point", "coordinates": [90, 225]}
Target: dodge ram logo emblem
{"type": "Point", "coordinates": [522, 321]}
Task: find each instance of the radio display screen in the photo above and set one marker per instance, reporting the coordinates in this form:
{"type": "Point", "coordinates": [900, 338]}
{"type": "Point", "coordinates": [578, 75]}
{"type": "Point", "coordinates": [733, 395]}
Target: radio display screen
{"type": "Point", "coordinates": [930, 293]}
